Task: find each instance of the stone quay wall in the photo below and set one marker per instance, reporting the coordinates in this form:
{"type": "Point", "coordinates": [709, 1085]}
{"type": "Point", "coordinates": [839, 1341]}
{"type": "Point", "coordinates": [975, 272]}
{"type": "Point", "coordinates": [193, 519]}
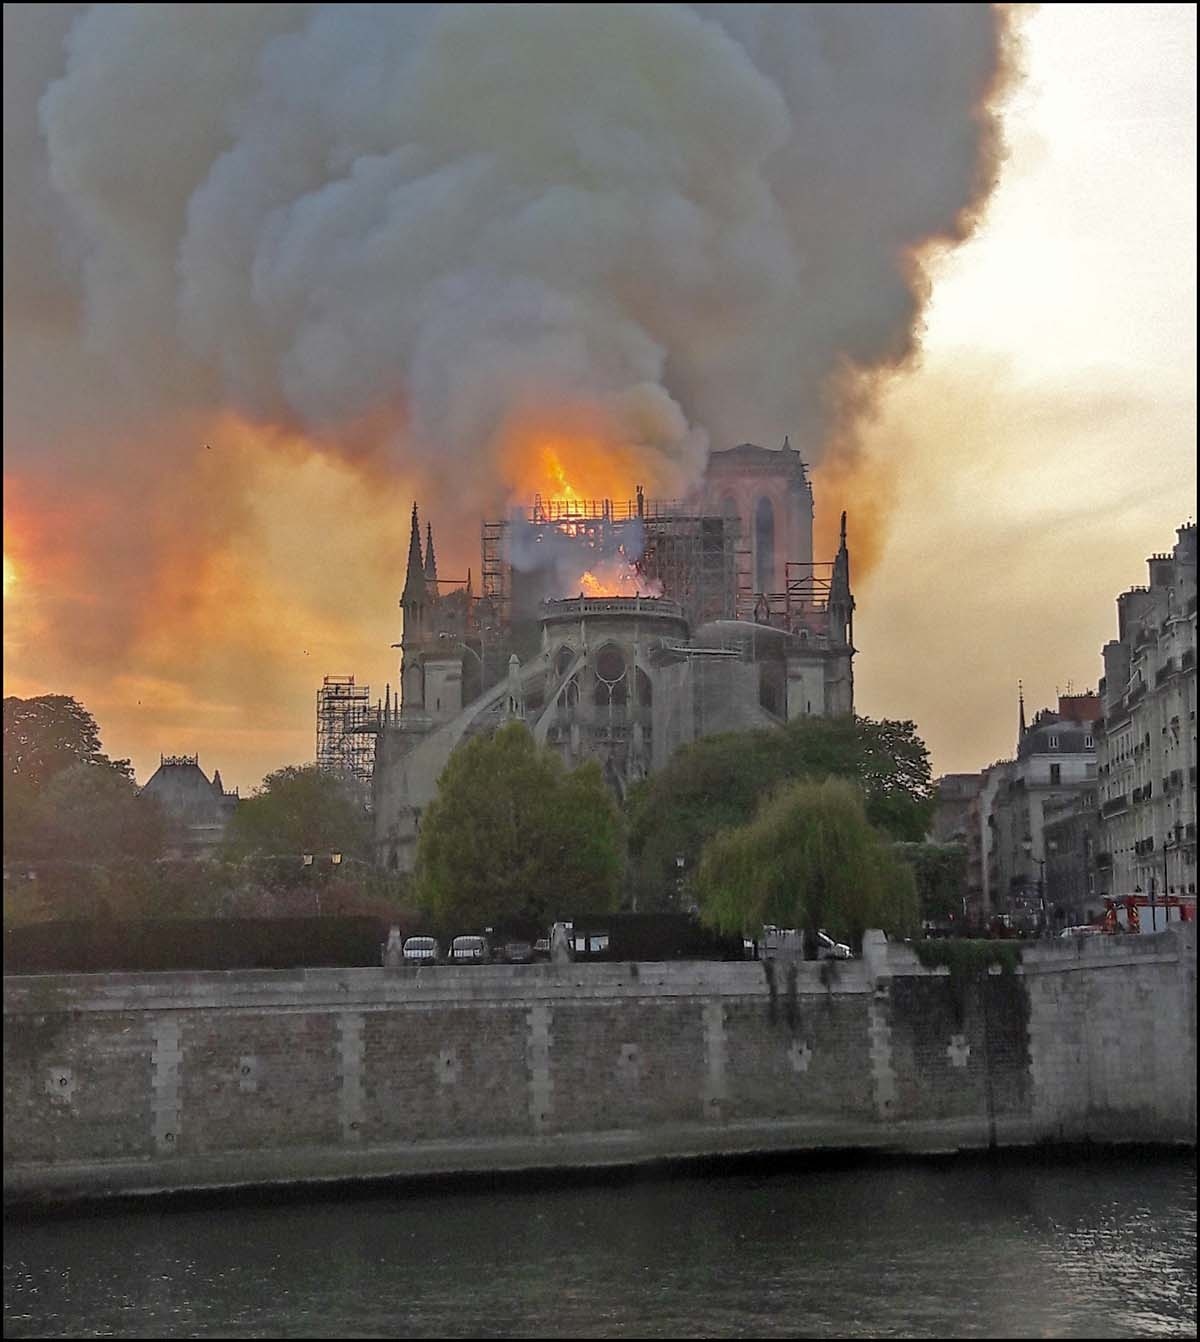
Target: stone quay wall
{"type": "Point", "coordinates": [119, 1084]}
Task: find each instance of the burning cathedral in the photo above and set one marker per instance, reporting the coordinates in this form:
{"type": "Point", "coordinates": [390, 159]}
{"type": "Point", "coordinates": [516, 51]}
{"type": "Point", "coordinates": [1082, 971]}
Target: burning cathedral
{"type": "Point", "coordinates": [618, 631]}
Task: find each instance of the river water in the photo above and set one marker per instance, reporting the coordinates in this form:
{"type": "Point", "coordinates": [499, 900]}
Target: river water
{"type": "Point", "coordinates": [1103, 1246]}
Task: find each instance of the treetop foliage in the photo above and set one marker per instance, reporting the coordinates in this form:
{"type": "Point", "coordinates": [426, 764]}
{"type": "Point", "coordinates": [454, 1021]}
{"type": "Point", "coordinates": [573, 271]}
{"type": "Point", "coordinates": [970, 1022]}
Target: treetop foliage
{"type": "Point", "coordinates": [720, 781]}
{"type": "Point", "coordinates": [299, 809]}
{"type": "Point", "coordinates": [809, 859]}
{"type": "Point", "coordinates": [940, 871]}
{"type": "Point", "coordinates": [512, 835]}
{"type": "Point", "coordinates": [48, 734]}
{"type": "Point", "coordinates": [63, 798]}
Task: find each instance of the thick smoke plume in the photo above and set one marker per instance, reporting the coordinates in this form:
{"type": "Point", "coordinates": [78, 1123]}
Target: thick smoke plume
{"type": "Point", "coordinates": [416, 237]}
{"type": "Point", "coordinates": [701, 222]}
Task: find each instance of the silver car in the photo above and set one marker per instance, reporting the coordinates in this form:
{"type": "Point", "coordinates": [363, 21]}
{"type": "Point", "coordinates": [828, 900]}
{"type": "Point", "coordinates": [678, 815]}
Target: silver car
{"type": "Point", "coordinates": [469, 951]}
{"type": "Point", "coordinates": [421, 951]}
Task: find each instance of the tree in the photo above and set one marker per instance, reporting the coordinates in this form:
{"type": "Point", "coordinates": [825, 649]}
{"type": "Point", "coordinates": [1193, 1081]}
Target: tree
{"type": "Point", "coordinates": [512, 835]}
{"type": "Point", "coordinates": [721, 780]}
{"type": "Point", "coordinates": [92, 812]}
{"type": "Point", "coordinates": [940, 871]}
{"type": "Point", "coordinates": [297, 810]}
{"type": "Point", "coordinates": [809, 859]}
{"type": "Point", "coordinates": [44, 737]}
{"type": "Point", "coordinates": [48, 734]}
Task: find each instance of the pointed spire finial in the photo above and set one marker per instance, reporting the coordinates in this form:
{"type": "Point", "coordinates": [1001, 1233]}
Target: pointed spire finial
{"type": "Point", "coordinates": [787, 442]}
{"type": "Point", "coordinates": [430, 558]}
{"type": "Point", "coordinates": [843, 531]}
{"type": "Point", "coordinates": [1021, 701]}
{"type": "Point", "coordinates": [414, 578]}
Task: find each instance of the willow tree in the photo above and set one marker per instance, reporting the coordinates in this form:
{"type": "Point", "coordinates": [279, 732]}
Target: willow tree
{"type": "Point", "coordinates": [513, 835]}
{"type": "Point", "coordinates": [808, 859]}
{"type": "Point", "coordinates": [722, 780]}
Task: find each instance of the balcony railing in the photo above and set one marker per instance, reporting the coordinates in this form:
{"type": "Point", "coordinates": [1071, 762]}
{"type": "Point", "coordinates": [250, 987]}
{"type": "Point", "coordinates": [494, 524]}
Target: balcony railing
{"type": "Point", "coordinates": [1188, 659]}
{"type": "Point", "coordinates": [1103, 860]}
{"type": "Point", "coordinates": [1167, 669]}
{"type": "Point", "coordinates": [1114, 804]}
{"type": "Point", "coordinates": [1143, 846]}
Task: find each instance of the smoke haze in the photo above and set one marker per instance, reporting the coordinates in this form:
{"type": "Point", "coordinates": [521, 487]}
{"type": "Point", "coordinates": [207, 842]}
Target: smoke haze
{"type": "Point", "coordinates": [346, 253]}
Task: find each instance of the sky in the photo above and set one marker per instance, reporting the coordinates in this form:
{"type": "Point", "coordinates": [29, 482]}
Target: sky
{"type": "Point", "coordinates": [192, 542]}
{"type": "Point", "coordinates": [1046, 446]}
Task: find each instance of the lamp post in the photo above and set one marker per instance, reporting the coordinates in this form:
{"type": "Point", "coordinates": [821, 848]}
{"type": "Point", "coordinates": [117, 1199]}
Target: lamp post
{"type": "Point", "coordinates": [1041, 885]}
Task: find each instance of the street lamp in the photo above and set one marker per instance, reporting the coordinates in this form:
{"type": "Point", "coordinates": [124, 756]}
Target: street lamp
{"type": "Point", "coordinates": [1041, 885]}
{"type": "Point", "coordinates": [466, 646]}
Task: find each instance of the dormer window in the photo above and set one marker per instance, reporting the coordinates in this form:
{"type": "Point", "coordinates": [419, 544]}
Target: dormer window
{"type": "Point", "coordinates": [1088, 743]}
{"type": "Point", "coordinates": [1052, 742]}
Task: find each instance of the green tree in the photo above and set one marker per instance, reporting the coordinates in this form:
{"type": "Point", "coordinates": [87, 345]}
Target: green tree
{"type": "Point", "coordinates": [512, 834]}
{"type": "Point", "coordinates": [810, 859]}
{"type": "Point", "coordinates": [45, 735]}
{"type": "Point", "coordinates": [720, 781]}
{"type": "Point", "coordinates": [297, 810]}
{"type": "Point", "coordinates": [92, 812]}
{"type": "Point", "coordinates": [940, 871]}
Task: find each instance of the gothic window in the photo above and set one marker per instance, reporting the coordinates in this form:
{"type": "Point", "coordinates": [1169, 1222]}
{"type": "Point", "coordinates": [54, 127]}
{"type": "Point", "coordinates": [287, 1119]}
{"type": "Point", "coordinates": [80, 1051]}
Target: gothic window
{"type": "Point", "coordinates": [612, 686]}
{"type": "Point", "coordinates": [645, 690]}
{"type": "Point", "coordinates": [563, 659]}
{"type": "Point", "coordinates": [764, 546]}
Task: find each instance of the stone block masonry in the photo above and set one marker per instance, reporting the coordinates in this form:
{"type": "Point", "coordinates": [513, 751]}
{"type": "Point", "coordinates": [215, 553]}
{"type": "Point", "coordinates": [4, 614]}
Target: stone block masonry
{"type": "Point", "coordinates": [120, 1083]}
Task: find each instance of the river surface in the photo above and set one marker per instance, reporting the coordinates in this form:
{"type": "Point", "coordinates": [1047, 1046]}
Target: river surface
{"type": "Point", "coordinates": [1028, 1247]}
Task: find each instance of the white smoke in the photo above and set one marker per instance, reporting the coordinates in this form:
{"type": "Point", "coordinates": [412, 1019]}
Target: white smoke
{"type": "Point", "coordinates": [698, 222]}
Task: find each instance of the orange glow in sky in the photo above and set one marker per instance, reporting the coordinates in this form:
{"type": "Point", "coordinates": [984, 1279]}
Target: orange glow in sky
{"type": "Point", "coordinates": [1009, 487]}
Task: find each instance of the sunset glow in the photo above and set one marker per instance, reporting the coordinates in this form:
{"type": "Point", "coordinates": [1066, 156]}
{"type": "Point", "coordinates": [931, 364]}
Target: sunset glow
{"type": "Point", "coordinates": [194, 539]}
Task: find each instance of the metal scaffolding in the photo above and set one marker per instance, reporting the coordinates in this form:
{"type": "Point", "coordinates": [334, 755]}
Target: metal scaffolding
{"type": "Point", "coordinates": [693, 555]}
{"type": "Point", "coordinates": [346, 731]}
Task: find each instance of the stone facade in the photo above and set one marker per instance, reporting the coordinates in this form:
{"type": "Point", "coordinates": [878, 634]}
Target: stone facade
{"type": "Point", "coordinates": [1072, 841]}
{"type": "Point", "coordinates": [199, 807]}
{"type": "Point", "coordinates": [1147, 744]}
{"type": "Point", "coordinates": [1055, 763]}
{"type": "Point", "coordinates": [622, 679]}
{"type": "Point", "coordinates": [128, 1082]}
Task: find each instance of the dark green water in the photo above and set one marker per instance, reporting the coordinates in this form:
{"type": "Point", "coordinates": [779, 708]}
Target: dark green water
{"type": "Point", "coordinates": [1103, 1247]}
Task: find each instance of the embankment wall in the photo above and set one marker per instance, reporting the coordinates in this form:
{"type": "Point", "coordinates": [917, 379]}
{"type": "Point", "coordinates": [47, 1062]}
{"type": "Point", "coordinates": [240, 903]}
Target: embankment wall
{"type": "Point", "coordinates": [134, 1083]}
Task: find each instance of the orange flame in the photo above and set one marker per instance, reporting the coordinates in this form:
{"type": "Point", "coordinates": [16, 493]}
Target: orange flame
{"type": "Point", "coordinates": [573, 456]}
{"type": "Point", "coordinates": [617, 578]}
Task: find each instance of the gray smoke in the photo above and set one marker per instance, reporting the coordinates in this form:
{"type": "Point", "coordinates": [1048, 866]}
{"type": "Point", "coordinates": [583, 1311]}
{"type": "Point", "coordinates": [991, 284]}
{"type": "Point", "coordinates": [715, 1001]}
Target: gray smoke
{"type": "Point", "coordinates": [698, 223]}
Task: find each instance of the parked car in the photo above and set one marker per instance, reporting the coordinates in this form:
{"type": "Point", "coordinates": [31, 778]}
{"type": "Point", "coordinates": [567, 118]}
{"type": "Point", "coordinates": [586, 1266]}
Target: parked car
{"type": "Point", "coordinates": [469, 951]}
{"type": "Point", "coordinates": [1086, 930]}
{"type": "Point", "coordinates": [517, 951]}
{"type": "Point", "coordinates": [541, 948]}
{"type": "Point", "coordinates": [422, 951]}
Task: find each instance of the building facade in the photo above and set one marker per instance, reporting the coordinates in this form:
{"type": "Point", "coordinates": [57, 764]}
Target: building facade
{"type": "Point", "coordinates": [1147, 742]}
{"type": "Point", "coordinates": [199, 808]}
{"type": "Point", "coordinates": [1072, 840]}
{"type": "Point", "coordinates": [682, 643]}
{"type": "Point", "coordinates": [1054, 765]}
